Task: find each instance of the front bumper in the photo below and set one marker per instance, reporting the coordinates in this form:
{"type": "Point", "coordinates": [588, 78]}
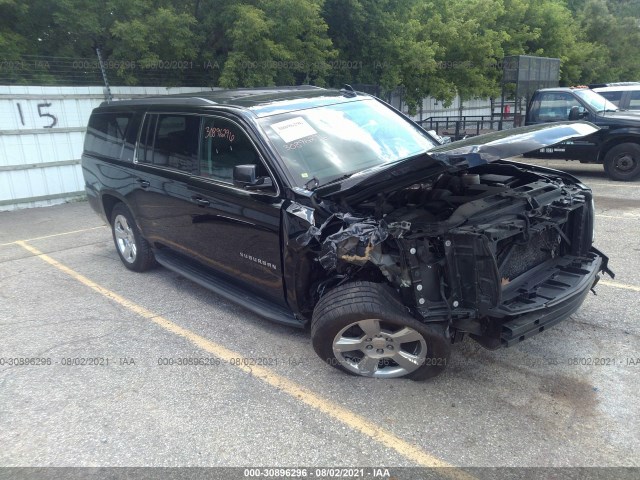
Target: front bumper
{"type": "Point", "coordinates": [547, 295]}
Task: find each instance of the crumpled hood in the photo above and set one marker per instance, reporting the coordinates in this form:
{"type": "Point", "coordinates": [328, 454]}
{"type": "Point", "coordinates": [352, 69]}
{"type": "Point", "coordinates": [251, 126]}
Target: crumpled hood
{"type": "Point", "coordinates": [509, 143]}
{"type": "Point", "coordinates": [461, 154]}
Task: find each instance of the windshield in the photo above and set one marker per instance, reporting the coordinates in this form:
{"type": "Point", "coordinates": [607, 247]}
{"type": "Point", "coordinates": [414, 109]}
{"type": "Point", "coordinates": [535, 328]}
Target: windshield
{"type": "Point", "coordinates": [596, 101]}
{"type": "Point", "coordinates": [334, 141]}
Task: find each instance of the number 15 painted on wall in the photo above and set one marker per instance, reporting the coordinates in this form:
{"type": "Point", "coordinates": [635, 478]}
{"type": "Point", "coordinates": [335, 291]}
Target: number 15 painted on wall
{"type": "Point", "coordinates": [41, 113]}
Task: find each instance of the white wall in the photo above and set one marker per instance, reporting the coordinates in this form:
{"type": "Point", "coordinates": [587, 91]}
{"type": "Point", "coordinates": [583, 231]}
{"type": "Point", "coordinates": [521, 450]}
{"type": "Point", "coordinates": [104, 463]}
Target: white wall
{"type": "Point", "coordinates": [40, 165]}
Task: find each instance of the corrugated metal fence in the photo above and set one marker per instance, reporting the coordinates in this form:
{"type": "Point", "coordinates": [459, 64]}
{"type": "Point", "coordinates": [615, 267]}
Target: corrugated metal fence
{"type": "Point", "coordinates": [41, 137]}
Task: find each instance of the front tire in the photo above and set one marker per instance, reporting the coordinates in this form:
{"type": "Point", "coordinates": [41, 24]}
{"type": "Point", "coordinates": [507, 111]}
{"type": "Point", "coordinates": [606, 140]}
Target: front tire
{"type": "Point", "coordinates": [362, 328]}
{"type": "Point", "coordinates": [134, 251]}
{"type": "Point", "coordinates": [622, 162]}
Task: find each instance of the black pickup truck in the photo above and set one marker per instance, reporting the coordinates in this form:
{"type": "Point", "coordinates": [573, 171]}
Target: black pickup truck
{"type": "Point", "coordinates": [616, 144]}
{"type": "Point", "coordinates": [330, 209]}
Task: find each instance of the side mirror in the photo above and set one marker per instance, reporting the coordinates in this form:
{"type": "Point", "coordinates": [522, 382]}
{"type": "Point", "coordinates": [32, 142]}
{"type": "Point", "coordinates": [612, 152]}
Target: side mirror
{"type": "Point", "coordinates": [245, 176]}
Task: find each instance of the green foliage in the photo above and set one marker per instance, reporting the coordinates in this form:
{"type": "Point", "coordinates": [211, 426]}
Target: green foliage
{"type": "Point", "coordinates": [262, 49]}
{"type": "Point", "coordinates": [547, 28]}
{"type": "Point", "coordinates": [12, 43]}
{"type": "Point", "coordinates": [147, 42]}
{"type": "Point", "coordinates": [470, 45]}
{"type": "Point", "coordinates": [381, 42]}
{"type": "Point", "coordinates": [441, 48]}
{"type": "Point", "coordinates": [615, 36]}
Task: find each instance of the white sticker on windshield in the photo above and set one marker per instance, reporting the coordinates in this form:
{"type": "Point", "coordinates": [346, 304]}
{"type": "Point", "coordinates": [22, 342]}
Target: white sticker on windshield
{"type": "Point", "coordinates": [293, 129]}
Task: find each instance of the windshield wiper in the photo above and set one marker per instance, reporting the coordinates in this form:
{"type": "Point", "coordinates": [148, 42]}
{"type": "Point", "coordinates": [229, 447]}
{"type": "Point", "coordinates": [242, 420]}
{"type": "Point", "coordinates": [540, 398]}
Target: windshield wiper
{"type": "Point", "coordinates": [335, 180]}
{"type": "Point", "coordinates": [312, 184]}
{"type": "Point", "coordinates": [376, 168]}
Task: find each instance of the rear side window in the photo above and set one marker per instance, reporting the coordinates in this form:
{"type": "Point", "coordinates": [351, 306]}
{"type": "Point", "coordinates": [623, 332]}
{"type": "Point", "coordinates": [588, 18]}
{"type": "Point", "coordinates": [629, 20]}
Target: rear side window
{"type": "Point", "coordinates": [106, 134]}
{"type": "Point", "coordinates": [634, 101]}
{"type": "Point", "coordinates": [613, 97]}
{"type": "Point", "coordinates": [170, 141]}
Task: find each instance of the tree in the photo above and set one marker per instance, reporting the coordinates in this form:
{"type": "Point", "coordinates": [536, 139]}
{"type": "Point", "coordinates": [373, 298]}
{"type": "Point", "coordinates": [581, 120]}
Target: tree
{"type": "Point", "coordinates": [381, 42]}
{"type": "Point", "coordinates": [469, 42]}
{"type": "Point", "coordinates": [164, 43]}
{"type": "Point", "coordinates": [614, 37]}
{"type": "Point", "coordinates": [269, 42]}
{"type": "Point", "coordinates": [12, 43]}
{"type": "Point", "coordinates": [441, 48]}
{"type": "Point", "coordinates": [131, 30]}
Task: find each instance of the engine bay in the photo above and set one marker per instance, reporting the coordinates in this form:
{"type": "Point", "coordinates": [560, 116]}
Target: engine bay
{"type": "Point", "coordinates": [435, 200]}
{"type": "Point", "coordinates": [458, 238]}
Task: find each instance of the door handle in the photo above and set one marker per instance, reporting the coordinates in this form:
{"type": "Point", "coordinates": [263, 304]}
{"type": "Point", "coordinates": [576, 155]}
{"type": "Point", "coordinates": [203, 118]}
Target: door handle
{"type": "Point", "coordinates": [200, 201]}
{"type": "Point", "coordinates": [143, 183]}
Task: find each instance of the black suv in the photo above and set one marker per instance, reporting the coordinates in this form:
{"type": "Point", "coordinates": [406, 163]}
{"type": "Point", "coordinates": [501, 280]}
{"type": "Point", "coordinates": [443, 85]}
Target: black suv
{"type": "Point", "coordinates": [331, 209]}
{"type": "Point", "coordinates": [616, 144]}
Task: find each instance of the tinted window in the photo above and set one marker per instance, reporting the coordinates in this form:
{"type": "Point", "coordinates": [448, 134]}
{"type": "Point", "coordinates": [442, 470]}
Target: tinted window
{"type": "Point", "coordinates": [534, 110]}
{"type": "Point", "coordinates": [225, 145]}
{"type": "Point", "coordinates": [145, 147]}
{"type": "Point", "coordinates": [170, 141]}
{"type": "Point", "coordinates": [554, 107]}
{"type": "Point", "coordinates": [131, 138]}
{"type": "Point", "coordinates": [634, 101]}
{"type": "Point", "coordinates": [613, 97]}
{"type": "Point", "coordinates": [106, 134]}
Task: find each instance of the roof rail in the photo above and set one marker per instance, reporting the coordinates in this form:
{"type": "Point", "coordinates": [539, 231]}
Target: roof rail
{"type": "Point", "coordinates": [612, 84]}
{"type": "Point", "coordinates": [160, 100]}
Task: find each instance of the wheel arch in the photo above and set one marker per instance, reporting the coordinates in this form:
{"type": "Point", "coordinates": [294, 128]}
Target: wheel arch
{"type": "Point", "coordinates": [108, 203]}
{"type": "Point", "coordinates": [109, 200]}
{"type": "Point", "coordinates": [617, 140]}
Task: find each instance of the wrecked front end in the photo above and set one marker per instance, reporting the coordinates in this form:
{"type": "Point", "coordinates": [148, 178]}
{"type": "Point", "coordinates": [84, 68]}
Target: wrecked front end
{"type": "Point", "coordinates": [500, 251]}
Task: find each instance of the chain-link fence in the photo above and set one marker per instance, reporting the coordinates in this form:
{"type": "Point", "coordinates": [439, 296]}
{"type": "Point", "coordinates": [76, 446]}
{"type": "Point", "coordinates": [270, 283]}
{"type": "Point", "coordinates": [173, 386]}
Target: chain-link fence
{"type": "Point", "coordinates": [72, 71]}
{"type": "Point", "coordinates": [455, 120]}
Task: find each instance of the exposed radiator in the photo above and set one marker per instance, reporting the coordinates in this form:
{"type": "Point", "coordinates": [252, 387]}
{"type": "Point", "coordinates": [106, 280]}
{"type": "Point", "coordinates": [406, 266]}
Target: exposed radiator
{"type": "Point", "coordinates": [519, 258]}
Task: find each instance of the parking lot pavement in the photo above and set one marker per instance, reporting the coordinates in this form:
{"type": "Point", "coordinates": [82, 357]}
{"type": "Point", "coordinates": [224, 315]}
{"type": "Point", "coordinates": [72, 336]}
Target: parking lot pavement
{"type": "Point", "coordinates": [568, 397]}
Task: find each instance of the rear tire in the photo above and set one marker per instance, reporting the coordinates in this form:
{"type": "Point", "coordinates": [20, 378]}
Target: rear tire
{"type": "Point", "coordinates": [363, 329]}
{"type": "Point", "coordinates": [622, 162]}
{"type": "Point", "coordinates": [134, 251]}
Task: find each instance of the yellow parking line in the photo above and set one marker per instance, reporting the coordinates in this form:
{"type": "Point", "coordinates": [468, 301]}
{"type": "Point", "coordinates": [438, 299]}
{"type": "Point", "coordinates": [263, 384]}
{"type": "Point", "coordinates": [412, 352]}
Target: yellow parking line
{"type": "Point", "coordinates": [624, 286]}
{"type": "Point", "coordinates": [52, 235]}
{"type": "Point", "coordinates": [298, 392]}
